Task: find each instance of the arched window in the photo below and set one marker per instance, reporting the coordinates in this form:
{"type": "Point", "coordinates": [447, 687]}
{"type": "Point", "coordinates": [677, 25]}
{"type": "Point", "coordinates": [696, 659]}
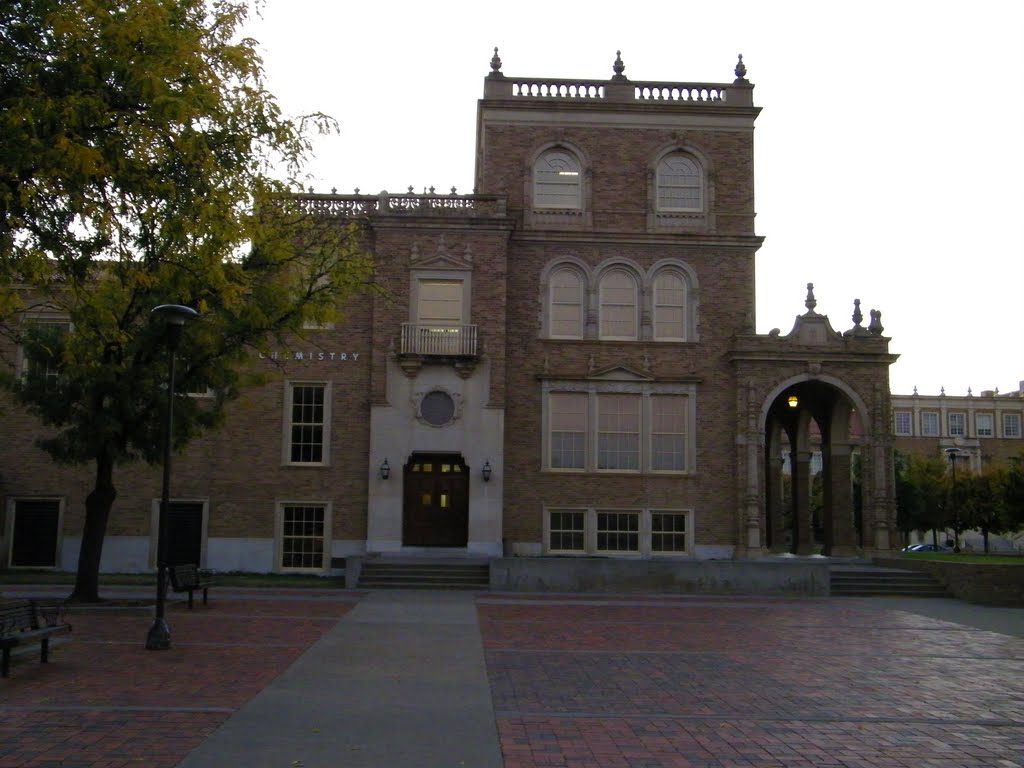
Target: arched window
{"type": "Point", "coordinates": [618, 305]}
{"type": "Point", "coordinates": [566, 310]}
{"type": "Point", "coordinates": [680, 184]}
{"type": "Point", "coordinates": [556, 180]}
{"type": "Point", "coordinates": [669, 306]}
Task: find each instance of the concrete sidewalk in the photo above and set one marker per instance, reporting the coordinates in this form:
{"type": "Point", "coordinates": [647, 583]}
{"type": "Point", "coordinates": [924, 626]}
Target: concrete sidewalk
{"type": "Point", "coordinates": [399, 681]}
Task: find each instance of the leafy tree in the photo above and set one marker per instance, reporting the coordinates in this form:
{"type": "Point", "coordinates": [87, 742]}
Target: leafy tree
{"type": "Point", "coordinates": [920, 492]}
{"type": "Point", "coordinates": [982, 506]}
{"type": "Point", "coordinates": [139, 156]}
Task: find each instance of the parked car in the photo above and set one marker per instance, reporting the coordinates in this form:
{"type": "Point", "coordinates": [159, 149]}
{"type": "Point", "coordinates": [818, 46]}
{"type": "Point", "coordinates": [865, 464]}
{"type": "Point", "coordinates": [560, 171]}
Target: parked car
{"type": "Point", "coordinates": [927, 548]}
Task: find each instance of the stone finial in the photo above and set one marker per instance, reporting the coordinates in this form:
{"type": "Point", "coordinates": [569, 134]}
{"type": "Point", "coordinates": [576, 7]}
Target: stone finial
{"type": "Point", "coordinates": [495, 64]}
{"type": "Point", "coordinates": [741, 70]}
{"type": "Point", "coordinates": [618, 67]}
{"type": "Point", "coordinates": [875, 326]}
{"type": "Point", "coordinates": [357, 190]}
{"type": "Point", "coordinates": [453, 190]}
{"type": "Point", "coordinates": [915, 389]}
{"type": "Point", "coordinates": [942, 391]}
{"type": "Point", "coordinates": [810, 302]}
{"type": "Point", "coordinates": [857, 315]}
{"type": "Point", "coordinates": [969, 393]}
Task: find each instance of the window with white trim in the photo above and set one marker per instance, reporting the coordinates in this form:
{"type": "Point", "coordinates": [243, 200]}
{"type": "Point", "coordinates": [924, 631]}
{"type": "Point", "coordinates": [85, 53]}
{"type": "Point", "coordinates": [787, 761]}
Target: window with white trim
{"type": "Point", "coordinates": [669, 314]}
{"type": "Point", "coordinates": [618, 432]}
{"type": "Point", "coordinates": [41, 349]}
{"type": "Point", "coordinates": [644, 532]}
{"type": "Point", "coordinates": [307, 423]}
{"type": "Point", "coordinates": [599, 427]}
{"type": "Point", "coordinates": [568, 420]}
{"type": "Point", "coordinates": [668, 433]}
{"type": "Point", "coordinates": [957, 424]}
{"type": "Point", "coordinates": [1011, 425]}
{"type": "Point", "coordinates": [984, 425]}
{"type": "Point", "coordinates": [556, 180]}
{"type": "Point", "coordinates": [902, 421]}
{"type": "Point", "coordinates": [668, 531]}
{"type": "Point", "coordinates": [567, 304]}
{"type": "Point", "coordinates": [618, 306]}
{"type": "Point", "coordinates": [618, 531]}
{"type": "Point", "coordinates": [680, 184]}
{"type": "Point", "coordinates": [929, 423]}
{"type": "Point", "coordinates": [303, 530]}
{"type": "Point", "coordinates": [566, 530]}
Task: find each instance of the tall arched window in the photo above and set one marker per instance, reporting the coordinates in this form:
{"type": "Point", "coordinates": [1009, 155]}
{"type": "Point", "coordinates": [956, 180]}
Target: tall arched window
{"type": "Point", "coordinates": [680, 184]}
{"type": "Point", "coordinates": [556, 180]}
{"type": "Point", "coordinates": [618, 296]}
{"type": "Point", "coordinates": [669, 306]}
{"type": "Point", "coordinates": [566, 310]}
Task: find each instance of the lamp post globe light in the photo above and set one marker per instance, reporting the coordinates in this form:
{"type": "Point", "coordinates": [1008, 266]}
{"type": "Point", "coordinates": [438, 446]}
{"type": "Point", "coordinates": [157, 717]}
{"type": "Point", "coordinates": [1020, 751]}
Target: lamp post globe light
{"type": "Point", "coordinates": [174, 317]}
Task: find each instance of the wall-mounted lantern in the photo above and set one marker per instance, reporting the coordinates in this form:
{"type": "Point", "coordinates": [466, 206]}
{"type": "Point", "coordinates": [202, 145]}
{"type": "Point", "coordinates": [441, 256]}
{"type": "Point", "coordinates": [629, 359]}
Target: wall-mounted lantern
{"type": "Point", "coordinates": [385, 470]}
{"type": "Point", "coordinates": [793, 401]}
{"type": "Point", "coordinates": [485, 472]}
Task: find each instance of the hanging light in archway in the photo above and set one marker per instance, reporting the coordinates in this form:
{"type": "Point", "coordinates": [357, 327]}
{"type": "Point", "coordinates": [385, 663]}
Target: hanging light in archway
{"type": "Point", "coordinates": [793, 401]}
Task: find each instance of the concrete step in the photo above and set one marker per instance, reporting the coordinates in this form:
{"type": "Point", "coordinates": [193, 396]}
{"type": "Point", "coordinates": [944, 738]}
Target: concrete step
{"type": "Point", "coordinates": [390, 575]}
{"type": "Point", "coordinates": [867, 582]}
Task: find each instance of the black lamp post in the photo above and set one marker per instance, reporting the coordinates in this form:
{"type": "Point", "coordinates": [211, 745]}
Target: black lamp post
{"type": "Point", "coordinates": [174, 315]}
{"type": "Point", "coordinates": [954, 454]}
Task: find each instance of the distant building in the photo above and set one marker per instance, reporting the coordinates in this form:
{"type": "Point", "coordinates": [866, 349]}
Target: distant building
{"type": "Point", "coordinates": [565, 363]}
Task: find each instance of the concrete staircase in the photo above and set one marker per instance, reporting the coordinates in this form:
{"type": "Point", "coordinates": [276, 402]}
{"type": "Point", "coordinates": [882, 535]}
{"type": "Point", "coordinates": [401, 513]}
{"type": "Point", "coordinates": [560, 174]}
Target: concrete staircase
{"type": "Point", "coordinates": [874, 581]}
{"type": "Point", "coordinates": [424, 574]}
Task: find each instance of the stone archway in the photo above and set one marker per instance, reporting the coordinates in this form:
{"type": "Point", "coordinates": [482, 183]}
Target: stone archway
{"type": "Point", "coordinates": [812, 432]}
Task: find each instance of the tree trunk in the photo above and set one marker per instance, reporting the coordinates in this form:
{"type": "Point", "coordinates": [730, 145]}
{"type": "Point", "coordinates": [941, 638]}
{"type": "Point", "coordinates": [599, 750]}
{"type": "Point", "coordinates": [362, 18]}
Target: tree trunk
{"type": "Point", "coordinates": [97, 512]}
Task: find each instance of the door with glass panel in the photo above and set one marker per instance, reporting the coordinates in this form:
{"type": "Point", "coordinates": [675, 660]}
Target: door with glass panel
{"type": "Point", "coordinates": [436, 509]}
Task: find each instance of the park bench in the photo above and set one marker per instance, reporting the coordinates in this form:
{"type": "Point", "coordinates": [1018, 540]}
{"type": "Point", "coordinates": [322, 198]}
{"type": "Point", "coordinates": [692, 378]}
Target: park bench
{"type": "Point", "coordinates": [20, 625]}
{"type": "Point", "coordinates": [188, 578]}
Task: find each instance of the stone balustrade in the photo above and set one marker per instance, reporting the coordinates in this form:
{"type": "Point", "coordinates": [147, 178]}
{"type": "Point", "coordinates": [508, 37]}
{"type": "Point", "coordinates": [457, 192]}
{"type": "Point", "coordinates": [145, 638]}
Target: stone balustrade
{"type": "Point", "coordinates": [596, 90]}
{"type": "Point", "coordinates": [385, 203]}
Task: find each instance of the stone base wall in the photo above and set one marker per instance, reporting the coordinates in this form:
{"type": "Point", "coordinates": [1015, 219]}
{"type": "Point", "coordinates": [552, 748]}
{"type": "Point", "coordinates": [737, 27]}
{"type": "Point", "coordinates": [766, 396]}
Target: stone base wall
{"type": "Point", "coordinates": [996, 584]}
{"type": "Point", "coordinates": [707, 577]}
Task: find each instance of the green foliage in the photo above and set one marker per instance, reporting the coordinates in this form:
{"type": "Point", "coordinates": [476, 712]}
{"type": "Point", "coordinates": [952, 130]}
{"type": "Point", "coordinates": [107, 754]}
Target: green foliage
{"type": "Point", "coordinates": [920, 492]}
{"type": "Point", "coordinates": [137, 152]}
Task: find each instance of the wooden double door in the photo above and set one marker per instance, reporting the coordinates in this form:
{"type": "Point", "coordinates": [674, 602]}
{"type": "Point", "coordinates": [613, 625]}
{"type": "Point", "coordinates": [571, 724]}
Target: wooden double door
{"type": "Point", "coordinates": [436, 505]}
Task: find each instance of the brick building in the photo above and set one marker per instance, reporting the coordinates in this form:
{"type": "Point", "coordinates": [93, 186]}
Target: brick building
{"type": "Point", "coordinates": [562, 363]}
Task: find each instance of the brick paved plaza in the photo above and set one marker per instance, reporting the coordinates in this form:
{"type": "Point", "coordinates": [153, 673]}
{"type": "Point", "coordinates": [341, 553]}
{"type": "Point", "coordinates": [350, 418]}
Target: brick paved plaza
{"type": "Point", "coordinates": [639, 682]}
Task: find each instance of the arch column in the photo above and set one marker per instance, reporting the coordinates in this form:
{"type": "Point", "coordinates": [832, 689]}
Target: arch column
{"type": "Point", "coordinates": [803, 534]}
{"type": "Point", "coordinates": [840, 535]}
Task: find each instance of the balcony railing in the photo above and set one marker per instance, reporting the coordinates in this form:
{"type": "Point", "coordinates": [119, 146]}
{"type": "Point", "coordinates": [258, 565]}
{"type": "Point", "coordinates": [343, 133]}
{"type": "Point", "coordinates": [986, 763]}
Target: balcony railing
{"type": "Point", "coordinates": [443, 341]}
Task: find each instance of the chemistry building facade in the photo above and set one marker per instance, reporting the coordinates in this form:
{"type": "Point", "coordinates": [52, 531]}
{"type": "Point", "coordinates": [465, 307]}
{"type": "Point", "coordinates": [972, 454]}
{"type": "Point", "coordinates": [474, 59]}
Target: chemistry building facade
{"type": "Point", "coordinates": [563, 363]}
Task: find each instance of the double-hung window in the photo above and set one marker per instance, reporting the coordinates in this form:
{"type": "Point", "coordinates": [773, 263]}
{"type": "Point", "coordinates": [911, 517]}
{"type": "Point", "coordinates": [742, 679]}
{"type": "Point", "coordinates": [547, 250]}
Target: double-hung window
{"type": "Point", "coordinates": [957, 424]}
{"type": "Point", "coordinates": [307, 423]}
{"type": "Point", "coordinates": [1011, 425]}
{"type": "Point", "coordinates": [303, 536]}
{"type": "Point", "coordinates": [984, 424]}
{"type": "Point", "coordinates": [680, 186]}
{"type": "Point", "coordinates": [42, 345]}
{"type": "Point", "coordinates": [929, 423]}
{"type": "Point", "coordinates": [902, 421]}
{"type": "Point", "coordinates": [631, 428]}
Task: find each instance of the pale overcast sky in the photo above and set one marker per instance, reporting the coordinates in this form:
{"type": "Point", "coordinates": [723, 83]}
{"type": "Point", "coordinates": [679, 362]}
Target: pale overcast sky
{"type": "Point", "coordinates": [889, 152]}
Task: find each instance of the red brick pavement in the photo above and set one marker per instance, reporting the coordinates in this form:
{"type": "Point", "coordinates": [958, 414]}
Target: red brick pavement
{"type": "Point", "coordinates": [106, 702]}
{"type": "Point", "coordinates": [748, 683]}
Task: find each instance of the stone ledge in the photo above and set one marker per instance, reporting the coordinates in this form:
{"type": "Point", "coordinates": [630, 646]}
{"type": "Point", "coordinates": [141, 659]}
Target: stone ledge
{"type": "Point", "coordinates": [981, 583]}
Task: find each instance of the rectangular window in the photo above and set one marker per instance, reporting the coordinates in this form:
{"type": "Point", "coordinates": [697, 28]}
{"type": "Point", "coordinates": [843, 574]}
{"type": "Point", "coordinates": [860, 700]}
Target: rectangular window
{"type": "Point", "coordinates": [440, 302]}
{"type": "Point", "coordinates": [668, 433]}
{"type": "Point", "coordinates": [41, 349]}
{"type": "Point", "coordinates": [668, 531]}
{"type": "Point", "coordinates": [618, 432]}
{"type": "Point", "coordinates": [930, 424]}
{"type": "Point", "coordinates": [36, 533]}
{"type": "Point", "coordinates": [566, 531]}
{"type": "Point", "coordinates": [568, 413]}
{"type": "Point", "coordinates": [902, 422]}
{"type": "Point", "coordinates": [1011, 425]}
{"type": "Point", "coordinates": [618, 531]}
{"type": "Point", "coordinates": [957, 424]}
{"type": "Point", "coordinates": [303, 536]}
{"type": "Point", "coordinates": [307, 424]}
{"type": "Point", "coordinates": [984, 424]}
